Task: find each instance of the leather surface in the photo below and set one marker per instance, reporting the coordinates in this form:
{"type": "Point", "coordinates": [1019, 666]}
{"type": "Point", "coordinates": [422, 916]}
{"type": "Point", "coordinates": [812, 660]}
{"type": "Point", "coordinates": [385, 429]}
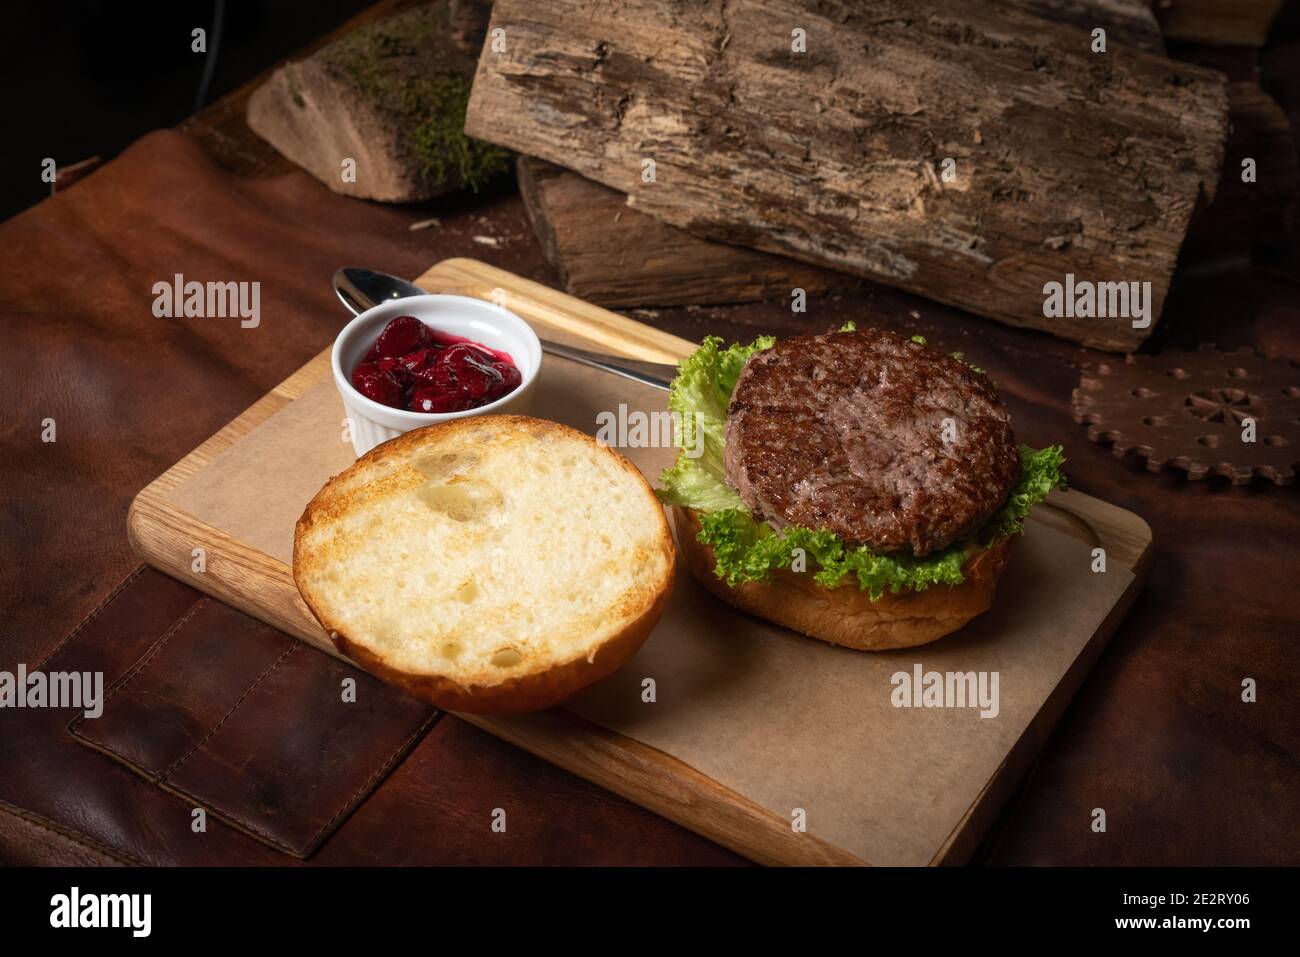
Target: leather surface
{"type": "Point", "coordinates": [245, 722]}
{"type": "Point", "coordinates": [435, 807]}
{"type": "Point", "coordinates": [27, 840]}
{"type": "Point", "coordinates": [1158, 736]}
{"type": "Point", "coordinates": [131, 393]}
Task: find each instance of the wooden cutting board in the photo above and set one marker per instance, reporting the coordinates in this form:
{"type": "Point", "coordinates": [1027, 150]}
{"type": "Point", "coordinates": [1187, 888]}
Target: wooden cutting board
{"type": "Point", "coordinates": [782, 748]}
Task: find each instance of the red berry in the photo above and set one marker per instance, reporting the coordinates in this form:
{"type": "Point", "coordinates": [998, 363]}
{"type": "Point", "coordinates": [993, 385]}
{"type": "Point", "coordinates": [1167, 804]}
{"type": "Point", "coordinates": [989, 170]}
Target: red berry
{"type": "Point", "coordinates": [473, 369]}
{"type": "Point", "coordinates": [377, 384]}
{"type": "Point", "coordinates": [436, 375]}
{"type": "Point", "coordinates": [417, 360]}
{"type": "Point", "coordinates": [432, 399]}
{"type": "Point", "coordinates": [404, 334]}
{"type": "Point", "coordinates": [442, 339]}
{"type": "Point", "coordinates": [510, 377]}
{"type": "Point", "coordinates": [426, 370]}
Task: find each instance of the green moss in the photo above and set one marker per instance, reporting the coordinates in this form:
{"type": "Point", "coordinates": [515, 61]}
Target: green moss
{"type": "Point", "coordinates": [441, 144]}
{"type": "Point", "coordinates": [409, 68]}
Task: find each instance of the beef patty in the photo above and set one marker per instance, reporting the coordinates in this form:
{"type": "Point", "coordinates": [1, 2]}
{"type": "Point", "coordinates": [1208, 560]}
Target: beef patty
{"type": "Point", "coordinates": [846, 431]}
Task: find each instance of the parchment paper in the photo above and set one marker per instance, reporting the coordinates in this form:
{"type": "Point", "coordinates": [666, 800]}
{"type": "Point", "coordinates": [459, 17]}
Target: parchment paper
{"type": "Point", "coordinates": [788, 722]}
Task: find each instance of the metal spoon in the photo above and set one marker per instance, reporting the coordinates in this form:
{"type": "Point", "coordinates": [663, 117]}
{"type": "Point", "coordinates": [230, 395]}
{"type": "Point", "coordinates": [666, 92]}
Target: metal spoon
{"type": "Point", "coordinates": [359, 289]}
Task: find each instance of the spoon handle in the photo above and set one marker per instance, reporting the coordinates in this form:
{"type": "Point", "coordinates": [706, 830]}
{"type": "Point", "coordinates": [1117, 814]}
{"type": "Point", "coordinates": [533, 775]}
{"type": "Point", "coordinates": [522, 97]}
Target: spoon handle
{"type": "Point", "coordinates": [657, 374]}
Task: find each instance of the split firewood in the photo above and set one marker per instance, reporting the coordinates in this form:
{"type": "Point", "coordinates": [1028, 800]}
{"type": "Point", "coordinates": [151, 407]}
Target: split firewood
{"type": "Point", "coordinates": [612, 255]}
{"type": "Point", "coordinates": [379, 114]}
{"type": "Point", "coordinates": [966, 151]}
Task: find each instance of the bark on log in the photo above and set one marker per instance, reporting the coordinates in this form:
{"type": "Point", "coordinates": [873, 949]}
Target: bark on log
{"type": "Point", "coordinates": [1067, 161]}
{"type": "Point", "coordinates": [1127, 22]}
{"type": "Point", "coordinates": [390, 97]}
{"type": "Point", "coordinates": [614, 256]}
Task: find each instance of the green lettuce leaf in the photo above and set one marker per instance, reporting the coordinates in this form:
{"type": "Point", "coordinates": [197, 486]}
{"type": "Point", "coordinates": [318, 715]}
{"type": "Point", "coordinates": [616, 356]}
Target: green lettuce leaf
{"type": "Point", "coordinates": [699, 395]}
{"type": "Point", "coordinates": [1040, 472]}
{"type": "Point", "coordinates": [747, 550]}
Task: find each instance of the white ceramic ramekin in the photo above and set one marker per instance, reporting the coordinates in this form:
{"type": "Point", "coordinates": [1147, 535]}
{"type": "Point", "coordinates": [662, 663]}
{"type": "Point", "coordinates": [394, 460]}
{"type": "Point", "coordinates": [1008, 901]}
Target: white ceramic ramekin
{"type": "Point", "coordinates": [497, 328]}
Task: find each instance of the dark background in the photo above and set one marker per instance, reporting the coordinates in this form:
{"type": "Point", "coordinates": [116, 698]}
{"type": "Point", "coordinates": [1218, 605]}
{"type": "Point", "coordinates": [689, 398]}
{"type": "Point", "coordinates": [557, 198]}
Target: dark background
{"type": "Point", "coordinates": [86, 79]}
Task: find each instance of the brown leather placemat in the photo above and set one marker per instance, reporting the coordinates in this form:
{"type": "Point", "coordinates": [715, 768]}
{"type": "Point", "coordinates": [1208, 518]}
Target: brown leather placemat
{"type": "Point", "coordinates": [255, 728]}
{"type": "Point", "coordinates": [132, 392]}
{"type": "Point", "coordinates": [63, 801]}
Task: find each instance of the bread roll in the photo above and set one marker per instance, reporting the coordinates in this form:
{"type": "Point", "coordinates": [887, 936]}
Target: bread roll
{"type": "Point", "coordinates": [846, 615]}
{"type": "Point", "coordinates": [487, 564]}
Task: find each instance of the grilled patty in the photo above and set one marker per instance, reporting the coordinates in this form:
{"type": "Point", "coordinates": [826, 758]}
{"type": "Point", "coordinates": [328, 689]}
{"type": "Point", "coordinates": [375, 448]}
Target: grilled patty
{"type": "Point", "coordinates": [846, 431]}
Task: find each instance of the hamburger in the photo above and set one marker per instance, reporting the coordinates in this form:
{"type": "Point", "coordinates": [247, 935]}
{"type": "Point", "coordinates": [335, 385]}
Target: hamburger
{"type": "Point", "coordinates": [856, 486]}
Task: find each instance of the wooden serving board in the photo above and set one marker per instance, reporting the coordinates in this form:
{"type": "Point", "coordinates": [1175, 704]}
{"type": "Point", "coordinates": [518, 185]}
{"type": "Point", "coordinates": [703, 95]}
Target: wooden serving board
{"type": "Point", "coordinates": [785, 749]}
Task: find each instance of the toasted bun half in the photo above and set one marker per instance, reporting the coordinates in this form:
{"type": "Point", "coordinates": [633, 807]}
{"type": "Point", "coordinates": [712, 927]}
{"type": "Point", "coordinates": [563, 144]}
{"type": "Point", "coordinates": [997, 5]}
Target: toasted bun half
{"type": "Point", "coordinates": [845, 615]}
{"type": "Point", "coordinates": [488, 564]}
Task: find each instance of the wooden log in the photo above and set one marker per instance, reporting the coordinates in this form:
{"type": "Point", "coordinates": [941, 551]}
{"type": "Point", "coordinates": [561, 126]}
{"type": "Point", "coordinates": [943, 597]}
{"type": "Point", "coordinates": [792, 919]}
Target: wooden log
{"type": "Point", "coordinates": [612, 255]}
{"type": "Point", "coordinates": [615, 256]}
{"type": "Point", "coordinates": [1126, 22]}
{"type": "Point", "coordinates": [1066, 161]}
{"type": "Point", "coordinates": [389, 98]}
{"type": "Point", "coordinates": [1218, 22]}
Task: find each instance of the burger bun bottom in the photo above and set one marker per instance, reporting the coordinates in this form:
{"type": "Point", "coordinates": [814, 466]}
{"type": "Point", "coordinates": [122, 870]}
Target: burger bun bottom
{"type": "Point", "coordinates": [846, 615]}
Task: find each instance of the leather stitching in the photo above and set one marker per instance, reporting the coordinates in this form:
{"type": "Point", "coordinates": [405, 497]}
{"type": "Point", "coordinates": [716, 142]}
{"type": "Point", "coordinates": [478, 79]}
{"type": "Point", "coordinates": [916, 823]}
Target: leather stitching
{"type": "Point", "coordinates": [133, 672]}
{"type": "Point", "coordinates": [76, 837]}
{"type": "Point", "coordinates": [242, 823]}
{"type": "Point", "coordinates": [217, 727]}
{"type": "Point", "coordinates": [309, 847]}
{"type": "Point", "coordinates": [92, 616]}
{"type": "Point", "coordinates": [374, 778]}
{"type": "Point", "coordinates": [162, 780]}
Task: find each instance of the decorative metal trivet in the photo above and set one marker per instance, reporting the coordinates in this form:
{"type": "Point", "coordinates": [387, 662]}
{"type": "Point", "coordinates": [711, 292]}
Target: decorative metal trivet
{"type": "Point", "coordinates": [1189, 410]}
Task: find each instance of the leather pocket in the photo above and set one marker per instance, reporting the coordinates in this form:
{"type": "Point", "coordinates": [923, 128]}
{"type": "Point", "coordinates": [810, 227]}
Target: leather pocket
{"type": "Point", "coordinates": [258, 729]}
